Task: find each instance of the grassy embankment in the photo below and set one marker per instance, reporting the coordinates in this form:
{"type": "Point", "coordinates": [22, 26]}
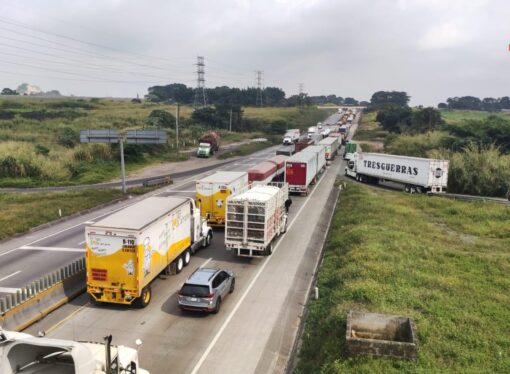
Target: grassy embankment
{"type": "Point", "coordinates": [33, 151]}
{"type": "Point", "coordinates": [369, 134]}
{"type": "Point", "coordinates": [447, 268]}
{"type": "Point", "coordinates": [23, 211]}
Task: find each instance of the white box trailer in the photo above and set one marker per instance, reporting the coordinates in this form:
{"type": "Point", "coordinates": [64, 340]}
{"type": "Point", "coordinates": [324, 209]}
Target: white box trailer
{"type": "Point", "coordinates": [255, 218]}
{"type": "Point", "coordinates": [301, 171]}
{"type": "Point", "coordinates": [331, 147]}
{"type": "Point", "coordinates": [320, 151]}
{"type": "Point", "coordinates": [417, 174]}
{"type": "Point", "coordinates": [127, 250]}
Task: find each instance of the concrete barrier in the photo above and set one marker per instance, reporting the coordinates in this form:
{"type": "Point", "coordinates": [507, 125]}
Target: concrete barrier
{"type": "Point", "coordinates": [34, 301]}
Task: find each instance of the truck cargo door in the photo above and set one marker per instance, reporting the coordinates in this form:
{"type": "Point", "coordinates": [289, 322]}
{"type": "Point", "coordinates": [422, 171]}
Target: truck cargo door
{"type": "Point", "coordinates": [111, 261]}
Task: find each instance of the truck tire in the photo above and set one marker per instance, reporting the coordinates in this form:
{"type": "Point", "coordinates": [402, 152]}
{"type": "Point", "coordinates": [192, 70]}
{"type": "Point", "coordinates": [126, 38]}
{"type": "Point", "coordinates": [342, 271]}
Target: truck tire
{"type": "Point", "coordinates": [217, 306]}
{"type": "Point", "coordinates": [207, 239]}
{"type": "Point", "coordinates": [179, 264]}
{"type": "Point", "coordinates": [186, 257]}
{"type": "Point", "coordinates": [145, 297]}
{"type": "Point", "coordinates": [269, 249]}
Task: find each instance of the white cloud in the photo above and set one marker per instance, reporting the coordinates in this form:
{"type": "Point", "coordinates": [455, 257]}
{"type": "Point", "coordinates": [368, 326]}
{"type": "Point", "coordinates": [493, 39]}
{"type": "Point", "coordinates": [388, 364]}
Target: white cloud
{"type": "Point", "coordinates": [450, 34]}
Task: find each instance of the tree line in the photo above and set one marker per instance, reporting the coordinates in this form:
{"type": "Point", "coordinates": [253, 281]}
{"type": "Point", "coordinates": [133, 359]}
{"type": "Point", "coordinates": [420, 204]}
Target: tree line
{"type": "Point", "coordinates": [224, 95]}
{"type": "Point", "coordinates": [488, 104]}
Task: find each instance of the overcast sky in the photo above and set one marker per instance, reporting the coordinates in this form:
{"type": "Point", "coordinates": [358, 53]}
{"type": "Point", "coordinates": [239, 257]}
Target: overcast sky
{"type": "Point", "coordinates": [432, 49]}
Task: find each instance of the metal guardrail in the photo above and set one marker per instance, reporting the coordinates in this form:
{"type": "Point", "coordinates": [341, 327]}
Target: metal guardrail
{"type": "Point", "coordinates": [158, 181]}
{"type": "Point", "coordinates": [33, 289]}
{"type": "Point", "coordinates": [484, 199]}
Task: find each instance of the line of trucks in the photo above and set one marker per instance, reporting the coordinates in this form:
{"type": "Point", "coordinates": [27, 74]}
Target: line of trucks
{"type": "Point", "coordinates": [127, 250]}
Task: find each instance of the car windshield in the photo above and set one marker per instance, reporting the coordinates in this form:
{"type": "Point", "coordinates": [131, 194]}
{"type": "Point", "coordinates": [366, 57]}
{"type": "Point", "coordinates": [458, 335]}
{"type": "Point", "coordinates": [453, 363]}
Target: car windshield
{"type": "Point", "coordinates": [194, 290]}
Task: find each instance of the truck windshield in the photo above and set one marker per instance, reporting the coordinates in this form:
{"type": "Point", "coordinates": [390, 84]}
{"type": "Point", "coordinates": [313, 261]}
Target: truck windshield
{"type": "Point", "coordinates": [194, 290]}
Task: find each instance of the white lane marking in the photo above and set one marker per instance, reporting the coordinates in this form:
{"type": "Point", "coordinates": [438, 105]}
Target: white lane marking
{"type": "Point", "coordinates": [206, 262]}
{"type": "Point", "coordinates": [6, 253]}
{"type": "Point", "coordinates": [56, 249]}
{"type": "Point", "coordinates": [10, 275]}
{"type": "Point", "coordinates": [155, 193]}
{"type": "Point", "coordinates": [238, 304]}
{"type": "Point", "coordinates": [9, 289]}
{"type": "Point", "coordinates": [102, 215]}
{"type": "Point", "coordinates": [88, 222]}
{"type": "Point", "coordinates": [184, 191]}
{"type": "Point", "coordinates": [81, 243]}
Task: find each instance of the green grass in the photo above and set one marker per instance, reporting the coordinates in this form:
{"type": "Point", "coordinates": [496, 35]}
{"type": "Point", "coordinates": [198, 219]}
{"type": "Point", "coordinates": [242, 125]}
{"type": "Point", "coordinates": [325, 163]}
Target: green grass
{"type": "Point", "coordinates": [245, 149]}
{"type": "Point", "coordinates": [455, 117]}
{"type": "Point", "coordinates": [21, 139]}
{"type": "Point", "coordinates": [441, 262]}
{"type": "Point", "coordinates": [23, 211]}
{"type": "Point", "coordinates": [369, 129]}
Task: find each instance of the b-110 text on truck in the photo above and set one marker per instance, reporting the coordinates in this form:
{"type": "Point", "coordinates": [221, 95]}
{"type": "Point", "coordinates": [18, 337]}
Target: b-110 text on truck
{"type": "Point", "coordinates": [255, 218]}
{"type": "Point", "coordinates": [127, 250]}
{"type": "Point", "coordinates": [416, 174]}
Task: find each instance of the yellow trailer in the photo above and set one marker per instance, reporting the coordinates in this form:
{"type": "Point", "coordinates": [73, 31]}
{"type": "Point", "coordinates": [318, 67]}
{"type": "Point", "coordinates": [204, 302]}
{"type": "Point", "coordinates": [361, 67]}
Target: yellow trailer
{"type": "Point", "coordinates": [127, 250]}
{"type": "Point", "coordinates": [212, 193]}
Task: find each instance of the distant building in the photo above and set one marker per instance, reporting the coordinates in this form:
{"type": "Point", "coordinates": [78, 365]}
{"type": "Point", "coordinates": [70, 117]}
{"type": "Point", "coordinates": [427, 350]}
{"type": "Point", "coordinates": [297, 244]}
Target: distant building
{"type": "Point", "coordinates": [28, 89]}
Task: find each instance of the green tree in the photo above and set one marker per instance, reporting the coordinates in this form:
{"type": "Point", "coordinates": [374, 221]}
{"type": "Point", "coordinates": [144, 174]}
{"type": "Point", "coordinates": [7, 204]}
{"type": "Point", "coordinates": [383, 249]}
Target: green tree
{"type": "Point", "coordinates": [394, 98]}
{"type": "Point", "coordinates": [160, 118]}
{"type": "Point", "coordinates": [8, 91]}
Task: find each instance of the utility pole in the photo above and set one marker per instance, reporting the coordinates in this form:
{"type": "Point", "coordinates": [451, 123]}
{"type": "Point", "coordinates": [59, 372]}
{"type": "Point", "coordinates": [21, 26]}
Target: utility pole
{"type": "Point", "coordinates": [122, 166]}
{"type": "Point", "coordinates": [200, 89]}
{"type": "Point", "coordinates": [230, 126]}
{"type": "Point", "coordinates": [258, 101]}
{"type": "Point", "coordinates": [177, 125]}
{"type": "Point", "coordinates": [301, 94]}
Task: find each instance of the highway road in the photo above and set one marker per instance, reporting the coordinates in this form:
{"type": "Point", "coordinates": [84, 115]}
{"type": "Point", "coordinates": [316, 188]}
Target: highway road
{"type": "Point", "coordinates": [27, 258]}
{"type": "Point", "coordinates": [257, 326]}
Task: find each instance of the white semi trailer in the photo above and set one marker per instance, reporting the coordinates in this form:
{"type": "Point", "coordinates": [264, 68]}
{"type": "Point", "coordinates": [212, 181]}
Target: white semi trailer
{"type": "Point", "coordinates": [416, 174]}
{"type": "Point", "coordinates": [255, 218]}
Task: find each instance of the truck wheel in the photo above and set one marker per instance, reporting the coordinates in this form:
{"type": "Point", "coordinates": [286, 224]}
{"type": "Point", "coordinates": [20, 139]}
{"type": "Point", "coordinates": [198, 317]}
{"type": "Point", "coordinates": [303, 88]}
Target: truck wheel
{"type": "Point", "coordinates": [407, 189]}
{"type": "Point", "coordinates": [207, 239]}
{"type": "Point", "coordinates": [179, 262]}
{"type": "Point", "coordinates": [217, 306]}
{"type": "Point", "coordinates": [269, 250]}
{"type": "Point", "coordinates": [187, 257]}
{"type": "Point", "coordinates": [145, 297]}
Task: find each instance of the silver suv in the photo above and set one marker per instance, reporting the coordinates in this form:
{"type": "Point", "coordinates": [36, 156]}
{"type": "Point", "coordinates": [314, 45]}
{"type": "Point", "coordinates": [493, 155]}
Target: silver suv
{"type": "Point", "coordinates": [205, 289]}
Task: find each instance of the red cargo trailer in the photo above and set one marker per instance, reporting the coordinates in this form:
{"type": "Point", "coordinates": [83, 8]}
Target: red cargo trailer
{"type": "Point", "coordinates": [301, 171]}
{"type": "Point", "coordinates": [302, 144]}
{"type": "Point", "coordinates": [262, 173]}
{"type": "Point", "coordinates": [279, 161]}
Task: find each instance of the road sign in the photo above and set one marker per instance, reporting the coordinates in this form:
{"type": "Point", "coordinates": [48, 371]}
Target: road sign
{"type": "Point", "coordinates": [99, 136]}
{"type": "Point", "coordinates": [146, 137]}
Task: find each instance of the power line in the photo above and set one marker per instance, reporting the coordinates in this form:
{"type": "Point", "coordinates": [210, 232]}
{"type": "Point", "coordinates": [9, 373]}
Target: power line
{"type": "Point", "coordinates": [24, 25]}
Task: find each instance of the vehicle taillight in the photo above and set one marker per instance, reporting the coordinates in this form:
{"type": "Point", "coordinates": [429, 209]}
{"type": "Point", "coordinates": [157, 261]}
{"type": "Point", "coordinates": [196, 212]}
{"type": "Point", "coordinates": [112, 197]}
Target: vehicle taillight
{"type": "Point", "coordinates": [210, 296]}
{"type": "Point", "coordinates": [99, 274]}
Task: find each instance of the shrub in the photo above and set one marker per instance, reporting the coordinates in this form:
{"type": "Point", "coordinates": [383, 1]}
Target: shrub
{"type": "Point", "coordinates": [68, 137]}
{"type": "Point", "coordinates": [6, 114]}
{"type": "Point", "coordinates": [477, 170]}
{"type": "Point", "coordinates": [42, 150]}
